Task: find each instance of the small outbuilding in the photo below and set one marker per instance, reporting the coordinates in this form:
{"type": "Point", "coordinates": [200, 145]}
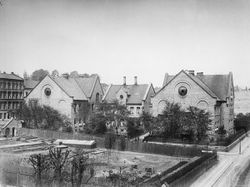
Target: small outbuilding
{"type": "Point", "coordinates": [9, 127]}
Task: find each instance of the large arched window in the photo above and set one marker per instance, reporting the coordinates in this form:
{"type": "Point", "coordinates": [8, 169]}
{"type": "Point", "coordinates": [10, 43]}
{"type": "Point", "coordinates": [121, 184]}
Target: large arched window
{"type": "Point", "coordinates": [97, 98]}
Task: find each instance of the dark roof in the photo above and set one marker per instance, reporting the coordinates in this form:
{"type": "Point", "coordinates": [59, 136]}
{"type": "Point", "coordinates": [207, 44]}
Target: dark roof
{"type": "Point", "coordinates": [219, 84]}
{"type": "Point", "coordinates": [86, 84]}
{"type": "Point", "coordinates": [10, 76]}
{"type": "Point", "coordinates": [79, 88]}
{"type": "Point", "coordinates": [70, 86]}
{"type": "Point", "coordinates": [136, 93]}
{"type": "Point", "coordinates": [214, 85]}
{"type": "Point", "coordinates": [30, 84]}
{"type": "Point", "coordinates": [110, 94]}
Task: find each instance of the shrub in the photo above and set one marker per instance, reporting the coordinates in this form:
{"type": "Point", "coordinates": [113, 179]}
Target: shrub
{"type": "Point", "coordinates": [109, 140]}
{"type": "Point", "coordinates": [68, 129]}
{"type": "Point", "coordinates": [242, 121]}
{"type": "Point", "coordinates": [122, 143]}
{"type": "Point", "coordinates": [133, 130]}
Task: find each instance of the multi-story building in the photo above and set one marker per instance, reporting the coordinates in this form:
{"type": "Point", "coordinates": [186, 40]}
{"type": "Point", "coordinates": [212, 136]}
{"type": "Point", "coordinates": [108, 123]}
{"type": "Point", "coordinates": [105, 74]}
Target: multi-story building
{"type": "Point", "coordinates": [28, 86]}
{"type": "Point", "coordinates": [136, 97]}
{"type": "Point", "coordinates": [213, 93]}
{"type": "Point", "coordinates": [11, 94]}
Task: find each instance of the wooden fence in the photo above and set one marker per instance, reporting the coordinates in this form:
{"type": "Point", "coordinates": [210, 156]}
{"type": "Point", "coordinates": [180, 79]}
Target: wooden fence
{"type": "Point", "coordinates": [134, 146]}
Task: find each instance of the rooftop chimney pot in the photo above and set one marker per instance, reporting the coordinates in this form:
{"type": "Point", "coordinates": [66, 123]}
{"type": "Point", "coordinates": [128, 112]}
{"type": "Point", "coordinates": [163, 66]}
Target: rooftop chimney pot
{"type": "Point", "coordinates": [124, 80]}
{"type": "Point", "coordinates": [191, 72]}
{"type": "Point", "coordinates": [199, 74]}
{"type": "Point", "coordinates": [65, 75]}
{"type": "Point", "coordinates": [135, 80]}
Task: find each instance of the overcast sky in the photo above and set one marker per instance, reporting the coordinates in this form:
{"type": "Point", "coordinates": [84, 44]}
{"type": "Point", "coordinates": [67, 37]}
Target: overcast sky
{"type": "Point", "coordinates": [127, 37]}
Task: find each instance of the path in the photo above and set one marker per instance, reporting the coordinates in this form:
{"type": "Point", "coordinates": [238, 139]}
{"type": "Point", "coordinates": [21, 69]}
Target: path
{"type": "Point", "coordinates": [229, 164]}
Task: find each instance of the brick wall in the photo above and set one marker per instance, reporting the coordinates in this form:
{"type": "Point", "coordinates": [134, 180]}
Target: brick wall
{"type": "Point", "coordinates": [195, 96]}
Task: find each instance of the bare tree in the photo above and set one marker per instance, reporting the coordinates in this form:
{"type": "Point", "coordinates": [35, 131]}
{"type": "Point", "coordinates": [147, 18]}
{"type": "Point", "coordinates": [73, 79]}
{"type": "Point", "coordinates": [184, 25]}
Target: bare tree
{"type": "Point", "coordinates": [40, 163]}
{"type": "Point", "coordinates": [58, 160]}
{"type": "Point", "coordinates": [79, 164]}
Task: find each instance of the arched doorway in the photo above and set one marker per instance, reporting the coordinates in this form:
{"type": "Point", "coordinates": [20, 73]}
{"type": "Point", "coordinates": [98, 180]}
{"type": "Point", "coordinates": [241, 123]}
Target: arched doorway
{"type": "Point", "coordinates": [13, 131]}
{"type": "Point", "coordinates": [7, 132]}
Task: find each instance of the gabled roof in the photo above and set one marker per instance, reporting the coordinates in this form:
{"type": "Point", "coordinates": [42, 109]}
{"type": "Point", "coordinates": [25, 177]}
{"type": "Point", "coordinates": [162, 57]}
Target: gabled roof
{"type": "Point", "coordinates": [78, 88]}
{"type": "Point", "coordinates": [5, 123]}
{"type": "Point", "coordinates": [218, 83]}
{"type": "Point", "coordinates": [167, 78]}
{"type": "Point", "coordinates": [10, 76]}
{"type": "Point", "coordinates": [136, 93]}
{"type": "Point", "coordinates": [86, 84]}
{"type": "Point", "coordinates": [70, 86]}
{"type": "Point", "coordinates": [215, 85]}
{"type": "Point", "coordinates": [111, 92]}
{"type": "Point", "coordinates": [30, 84]}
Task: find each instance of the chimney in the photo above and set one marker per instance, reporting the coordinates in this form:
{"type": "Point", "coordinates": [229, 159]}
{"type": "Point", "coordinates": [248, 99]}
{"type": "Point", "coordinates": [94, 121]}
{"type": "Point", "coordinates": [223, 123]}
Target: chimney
{"type": "Point", "coordinates": [124, 80]}
{"type": "Point", "coordinates": [65, 75]}
{"type": "Point", "coordinates": [191, 72]}
{"type": "Point", "coordinates": [135, 80]}
{"type": "Point", "coordinates": [199, 74]}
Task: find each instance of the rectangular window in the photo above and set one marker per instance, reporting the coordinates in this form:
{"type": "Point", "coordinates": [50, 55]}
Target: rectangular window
{"type": "Point", "coordinates": [138, 110]}
{"type": "Point", "coordinates": [132, 109]}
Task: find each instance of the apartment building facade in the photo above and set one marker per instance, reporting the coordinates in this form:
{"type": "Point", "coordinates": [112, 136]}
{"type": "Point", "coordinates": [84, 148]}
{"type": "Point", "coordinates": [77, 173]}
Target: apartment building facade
{"type": "Point", "coordinates": [11, 94]}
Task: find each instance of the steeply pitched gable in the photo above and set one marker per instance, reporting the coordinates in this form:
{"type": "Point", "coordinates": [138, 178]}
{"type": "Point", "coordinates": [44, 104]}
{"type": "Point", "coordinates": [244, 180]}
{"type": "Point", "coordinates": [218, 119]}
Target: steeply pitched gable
{"type": "Point", "coordinates": [215, 85]}
{"type": "Point", "coordinates": [136, 93]}
{"type": "Point", "coordinates": [70, 86]}
{"type": "Point", "coordinates": [86, 84]}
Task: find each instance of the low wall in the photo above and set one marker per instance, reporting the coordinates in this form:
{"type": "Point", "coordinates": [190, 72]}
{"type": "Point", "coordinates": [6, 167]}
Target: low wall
{"type": "Point", "coordinates": [188, 178]}
{"type": "Point", "coordinates": [231, 146]}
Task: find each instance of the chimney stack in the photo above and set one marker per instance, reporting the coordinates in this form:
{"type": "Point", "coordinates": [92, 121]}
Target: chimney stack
{"type": "Point", "coordinates": [135, 80]}
{"type": "Point", "coordinates": [65, 75]}
{"type": "Point", "coordinates": [191, 72]}
{"type": "Point", "coordinates": [199, 74]}
{"type": "Point", "coordinates": [124, 80]}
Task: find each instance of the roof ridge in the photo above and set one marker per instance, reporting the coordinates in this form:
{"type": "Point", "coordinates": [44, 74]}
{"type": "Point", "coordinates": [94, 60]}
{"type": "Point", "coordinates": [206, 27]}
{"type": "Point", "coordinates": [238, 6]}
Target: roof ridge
{"type": "Point", "coordinates": [212, 90]}
{"type": "Point", "coordinates": [201, 85]}
{"type": "Point", "coordinates": [54, 79]}
{"type": "Point", "coordinates": [8, 122]}
{"type": "Point", "coordinates": [106, 93]}
{"type": "Point", "coordinates": [146, 93]}
{"type": "Point", "coordinates": [93, 87]}
{"type": "Point", "coordinates": [80, 86]}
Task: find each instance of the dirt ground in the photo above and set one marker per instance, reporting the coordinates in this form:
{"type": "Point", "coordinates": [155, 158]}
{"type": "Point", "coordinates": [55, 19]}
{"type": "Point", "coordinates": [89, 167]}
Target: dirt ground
{"type": "Point", "coordinates": [103, 160]}
{"type": "Point", "coordinates": [117, 159]}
